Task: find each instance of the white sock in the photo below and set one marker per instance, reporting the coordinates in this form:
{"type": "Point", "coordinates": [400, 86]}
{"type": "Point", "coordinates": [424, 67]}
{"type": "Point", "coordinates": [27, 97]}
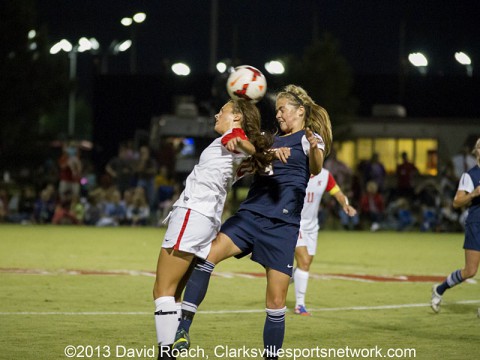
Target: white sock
{"type": "Point", "coordinates": [166, 319]}
{"type": "Point", "coordinates": [300, 278]}
{"type": "Point", "coordinates": [179, 310]}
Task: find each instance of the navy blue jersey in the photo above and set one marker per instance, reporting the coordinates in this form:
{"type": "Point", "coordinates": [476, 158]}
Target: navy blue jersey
{"type": "Point", "coordinates": [474, 208]}
{"type": "Point", "coordinates": [280, 195]}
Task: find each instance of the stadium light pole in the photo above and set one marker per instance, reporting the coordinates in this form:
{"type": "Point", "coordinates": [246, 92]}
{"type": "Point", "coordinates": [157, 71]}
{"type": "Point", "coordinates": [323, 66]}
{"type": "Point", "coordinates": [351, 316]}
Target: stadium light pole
{"type": "Point", "coordinates": [83, 45]}
{"type": "Point", "coordinates": [138, 18]}
{"type": "Point", "coordinates": [419, 61]}
{"type": "Point", "coordinates": [465, 60]}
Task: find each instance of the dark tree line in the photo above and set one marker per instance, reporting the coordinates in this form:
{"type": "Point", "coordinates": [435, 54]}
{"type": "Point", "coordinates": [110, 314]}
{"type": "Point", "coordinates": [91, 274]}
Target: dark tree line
{"type": "Point", "coordinates": [32, 83]}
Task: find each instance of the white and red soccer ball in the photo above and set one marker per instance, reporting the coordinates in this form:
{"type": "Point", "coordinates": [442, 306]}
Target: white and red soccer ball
{"type": "Point", "coordinates": [248, 83]}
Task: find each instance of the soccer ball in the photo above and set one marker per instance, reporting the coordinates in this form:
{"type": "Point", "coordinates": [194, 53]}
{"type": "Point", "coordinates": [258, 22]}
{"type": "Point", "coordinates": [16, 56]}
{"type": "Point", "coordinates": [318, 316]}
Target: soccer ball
{"type": "Point", "coordinates": [248, 83]}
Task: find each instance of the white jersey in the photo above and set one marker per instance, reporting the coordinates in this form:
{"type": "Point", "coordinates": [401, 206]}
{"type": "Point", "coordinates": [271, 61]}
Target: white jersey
{"type": "Point", "coordinates": [317, 185]}
{"type": "Point", "coordinates": [207, 185]}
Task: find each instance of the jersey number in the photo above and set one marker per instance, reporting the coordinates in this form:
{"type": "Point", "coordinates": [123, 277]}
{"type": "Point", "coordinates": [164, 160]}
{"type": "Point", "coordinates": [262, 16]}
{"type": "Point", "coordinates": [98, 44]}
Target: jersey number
{"type": "Point", "coordinates": [310, 196]}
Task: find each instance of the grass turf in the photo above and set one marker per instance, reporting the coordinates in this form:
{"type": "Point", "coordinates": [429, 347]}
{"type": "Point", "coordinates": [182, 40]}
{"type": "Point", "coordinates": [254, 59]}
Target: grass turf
{"type": "Point", "coordinates": [41, 314]}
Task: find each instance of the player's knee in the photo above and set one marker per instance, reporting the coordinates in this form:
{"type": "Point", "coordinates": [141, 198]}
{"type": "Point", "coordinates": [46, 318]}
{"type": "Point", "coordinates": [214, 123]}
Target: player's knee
{"type": "Point", "coordinates": [276, 302]}
{"type": "Point", "coordinates": [156, 292]}
{"type": "Point", "coordinates": [303, 264]}
{"type": "Point", "coordinates": [160, 290]}
{"type": "Point", "coordinates": [469, 272]}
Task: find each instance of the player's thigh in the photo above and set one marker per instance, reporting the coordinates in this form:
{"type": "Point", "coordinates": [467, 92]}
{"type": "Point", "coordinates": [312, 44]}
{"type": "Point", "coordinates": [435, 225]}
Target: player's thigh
{"type": "Point", "coordinates": [277, 288]}
{"type": "Point", "coordinates": [222, 248]}
{"type": "Point", "coordinates": [171, 267]}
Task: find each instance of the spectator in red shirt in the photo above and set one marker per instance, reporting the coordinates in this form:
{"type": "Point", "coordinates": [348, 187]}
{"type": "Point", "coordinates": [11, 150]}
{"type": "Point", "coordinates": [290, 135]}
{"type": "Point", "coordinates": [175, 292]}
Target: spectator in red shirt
{"type": "Point", "coordinates": [70, 172]}
{"type": "Point", "coordinates": [372, 206]}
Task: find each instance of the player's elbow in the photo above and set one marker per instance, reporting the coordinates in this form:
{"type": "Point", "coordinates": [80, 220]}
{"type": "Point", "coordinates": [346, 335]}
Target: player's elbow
{"type": "Point", "coordinates": [316, 169]}
{"type": "Point", "coordinates": [458, 202]}
{"type": "Point", "coordinates": [315, 172]}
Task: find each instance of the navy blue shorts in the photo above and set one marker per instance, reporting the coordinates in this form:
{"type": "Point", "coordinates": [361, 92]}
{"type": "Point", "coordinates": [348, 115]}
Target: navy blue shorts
{"type": "Point", "coordinates": [472, 236]}
{"type": "Point", "coordinates": [270, 241]}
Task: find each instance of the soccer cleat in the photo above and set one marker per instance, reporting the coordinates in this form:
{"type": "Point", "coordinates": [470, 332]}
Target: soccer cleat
{"type": "Point", "coordinates": [182, 340]}
{"type": "Point", "coordinates": [300, 310]}
{"type": "Point", "coordinates": [436, 299]}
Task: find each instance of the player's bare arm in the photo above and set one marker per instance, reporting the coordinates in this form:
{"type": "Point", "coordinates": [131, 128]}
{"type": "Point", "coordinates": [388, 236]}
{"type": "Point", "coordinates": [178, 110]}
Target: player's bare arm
{"type": "Point", "coordinates": [463, 198]}
{"type": "Point", "coordinates": [239, 145]}
{"type": "Point", "coordinates": [315, 156]}
{"type": "Point", "coordinates": [344, 203]}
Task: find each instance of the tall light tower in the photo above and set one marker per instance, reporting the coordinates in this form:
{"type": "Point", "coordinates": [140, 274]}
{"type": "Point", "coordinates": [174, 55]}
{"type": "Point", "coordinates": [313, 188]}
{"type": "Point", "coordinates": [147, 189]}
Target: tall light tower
{"type": "Point", "coordinates": [138, 18]}
{"type": "Point", "coordinates": [83, 45]}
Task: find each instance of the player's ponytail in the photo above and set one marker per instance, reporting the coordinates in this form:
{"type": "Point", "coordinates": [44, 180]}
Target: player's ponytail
{"type": "Point", "coordinates": [316, 117]}
{"type": "Point", "coordinates": [263, 141]}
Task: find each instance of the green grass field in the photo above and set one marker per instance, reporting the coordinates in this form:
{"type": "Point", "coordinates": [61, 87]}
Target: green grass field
{"type": "Point", "coordinates": [91, 288]}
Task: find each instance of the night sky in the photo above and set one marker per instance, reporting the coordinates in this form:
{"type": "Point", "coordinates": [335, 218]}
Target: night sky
{"type": "Point", "coordinates": [368, 30]}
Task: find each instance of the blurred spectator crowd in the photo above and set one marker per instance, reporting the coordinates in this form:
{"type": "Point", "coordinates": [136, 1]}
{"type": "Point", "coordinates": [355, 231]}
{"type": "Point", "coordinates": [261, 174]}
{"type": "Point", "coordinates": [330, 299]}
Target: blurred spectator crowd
{"type": "Point", "coordinates": [133, 189]}
{"type": "Point", "coordinates": [137, 187]}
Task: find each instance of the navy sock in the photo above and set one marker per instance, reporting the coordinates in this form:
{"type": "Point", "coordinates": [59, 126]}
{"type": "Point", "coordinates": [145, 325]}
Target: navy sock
{"type": "Point", "coordinates": [453, 279]}
{"type": "Point", "coordinates": [195, 291]}
{"type": "Point", "coordinates": [274, 331]}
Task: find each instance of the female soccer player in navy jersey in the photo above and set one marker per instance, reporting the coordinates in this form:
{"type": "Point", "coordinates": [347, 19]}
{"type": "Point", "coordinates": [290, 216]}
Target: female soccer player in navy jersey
{"type": "Point", "coordinates": [196, 218]}
{"type": "Point", "coordinates": [468, 194]}
{"type": "Point", "coordinates": [267, 222]}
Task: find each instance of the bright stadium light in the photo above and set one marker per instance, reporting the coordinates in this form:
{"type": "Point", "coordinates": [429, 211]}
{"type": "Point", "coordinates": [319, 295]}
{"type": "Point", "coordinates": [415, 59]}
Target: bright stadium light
{"type": "Point", "coordinates": [62, 45]}
{"type": "Point", "coordinates": [84, 45]}
{"type": "Point", "coordinates": [139, 17]}
{"type": "Point", "coordinates": [94, 44]}
{"type": "Point", "coordinates": [275, 67]}
{"type": "Point", "coordinates": [55, 49]}
{"type": "Point", "coordinates": [126, 21]}
{"type": "Point", "coordinates": [123, 46]}
{"type": "Point", "coordinates": [221, 67]}
{"type": "Point", "coordinates": [465, 60]}
{"type": "Point", "coordinates": [420, 61]}
{"type": "Point", "coordinates": [181, 69]}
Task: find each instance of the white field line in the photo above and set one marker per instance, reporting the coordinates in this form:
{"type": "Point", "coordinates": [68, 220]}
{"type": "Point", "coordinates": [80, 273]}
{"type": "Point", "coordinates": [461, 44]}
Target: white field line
{"type": "Point", "coordinates": [251, 311]}
{"type": "Point", "coordinates": [227, 275]}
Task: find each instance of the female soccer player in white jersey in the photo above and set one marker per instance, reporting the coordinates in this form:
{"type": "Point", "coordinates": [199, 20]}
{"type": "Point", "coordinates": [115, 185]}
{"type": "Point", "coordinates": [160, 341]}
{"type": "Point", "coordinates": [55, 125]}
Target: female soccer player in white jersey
{"type": "Point", "coordinates": [468, 194]}
{"type": "Point", "coordinates": [196, 216]}
{"type": "Point", "coordinates": [307, 238]}
{"type": "Point", "coordinates": [267, 222]}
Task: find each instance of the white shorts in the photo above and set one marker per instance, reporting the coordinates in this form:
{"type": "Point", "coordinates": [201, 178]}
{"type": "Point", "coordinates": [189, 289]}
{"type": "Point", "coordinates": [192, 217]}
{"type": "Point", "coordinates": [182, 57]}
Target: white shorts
{"type": "Point", "coordinates": [308, 239]}
{"type": "Point", "coordinates": [190, 231]}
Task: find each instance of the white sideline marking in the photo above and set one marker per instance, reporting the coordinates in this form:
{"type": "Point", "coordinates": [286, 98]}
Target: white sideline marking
{"type": "Point", "coordinates": [213, 312]}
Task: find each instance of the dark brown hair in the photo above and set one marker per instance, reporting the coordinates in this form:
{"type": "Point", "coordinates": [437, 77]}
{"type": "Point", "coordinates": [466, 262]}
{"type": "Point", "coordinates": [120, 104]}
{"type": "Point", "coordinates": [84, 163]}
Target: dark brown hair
{"type": "Point", "coordinates": [251, 124]}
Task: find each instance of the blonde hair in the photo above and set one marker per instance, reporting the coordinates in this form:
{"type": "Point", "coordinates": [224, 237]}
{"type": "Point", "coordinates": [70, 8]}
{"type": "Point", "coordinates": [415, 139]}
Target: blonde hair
{"type": "Point", "coordinates": [475, 148]}
{"type": "Point", "coordinates": [316, 117]}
